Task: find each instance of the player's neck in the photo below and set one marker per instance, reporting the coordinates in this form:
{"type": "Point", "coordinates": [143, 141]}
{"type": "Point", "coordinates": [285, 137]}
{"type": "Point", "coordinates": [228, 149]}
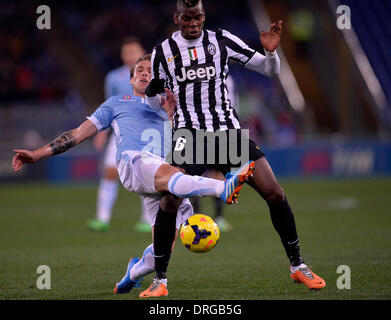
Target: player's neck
{"type": "Point", "coordinates": [138, 94]}
{"type": "Point", "coordinates": [190, 40]}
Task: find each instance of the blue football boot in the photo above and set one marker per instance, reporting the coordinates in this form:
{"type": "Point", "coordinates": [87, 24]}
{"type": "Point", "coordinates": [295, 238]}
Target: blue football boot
{"type": "Point", "coordinates": [126, 285]}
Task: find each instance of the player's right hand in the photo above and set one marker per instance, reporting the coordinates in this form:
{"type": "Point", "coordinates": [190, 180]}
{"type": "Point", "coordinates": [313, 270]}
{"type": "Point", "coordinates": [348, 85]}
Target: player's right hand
{"type": "Point", "coordinates": [271, 39]}
{"type": "Point", "coordinates": [21, 157]}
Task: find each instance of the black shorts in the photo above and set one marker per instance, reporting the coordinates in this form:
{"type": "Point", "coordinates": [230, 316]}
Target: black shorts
{"type": "Point", "coordinates": [195, 151]}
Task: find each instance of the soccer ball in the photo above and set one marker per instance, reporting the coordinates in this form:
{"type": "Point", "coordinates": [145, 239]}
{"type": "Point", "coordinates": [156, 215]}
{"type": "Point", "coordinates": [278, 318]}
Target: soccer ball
{"type": "Point", "coordinates": [199, 233]}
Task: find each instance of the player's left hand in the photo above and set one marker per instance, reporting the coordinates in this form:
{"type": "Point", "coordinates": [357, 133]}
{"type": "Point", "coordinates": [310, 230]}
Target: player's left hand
{"type": "Point", "coordinates": [169, 103]}
{"type": "Point", "coordinates": [271, 39]}
{"type": "Point", "coordinates": [21, 157]}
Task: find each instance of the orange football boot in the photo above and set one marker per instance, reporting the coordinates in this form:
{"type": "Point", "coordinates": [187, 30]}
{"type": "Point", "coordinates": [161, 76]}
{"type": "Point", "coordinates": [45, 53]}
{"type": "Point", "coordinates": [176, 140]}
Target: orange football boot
{"type": "Point", "coordinates": [234, 182]}
{"type": "Point", "coordinates": [157, 289]}
{"type": "Point", "coordinates": [303, 274]}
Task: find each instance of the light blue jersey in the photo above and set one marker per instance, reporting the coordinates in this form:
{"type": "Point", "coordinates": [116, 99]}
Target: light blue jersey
{"type": "Point", "coordinates": [137, 127]}
{"type": "Point", "coordinates": [117, 82]}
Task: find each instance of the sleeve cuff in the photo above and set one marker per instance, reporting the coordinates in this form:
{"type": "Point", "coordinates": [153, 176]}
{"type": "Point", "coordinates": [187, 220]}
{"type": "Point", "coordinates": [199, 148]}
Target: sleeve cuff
{"type": "Point", "coordinates": [96, 122]}
{"type": "Point", "coordinates": [271, 54]}
{"type": "Point", "coordinates": [154, 102]}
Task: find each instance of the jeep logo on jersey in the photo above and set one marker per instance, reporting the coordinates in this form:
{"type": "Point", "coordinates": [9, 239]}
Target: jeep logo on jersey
{"type": "Point", "coordinates": [196, 73]}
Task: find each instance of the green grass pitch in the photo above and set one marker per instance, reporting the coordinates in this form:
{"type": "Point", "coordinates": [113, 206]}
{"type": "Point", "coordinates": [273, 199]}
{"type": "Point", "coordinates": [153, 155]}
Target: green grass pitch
{"type": "Point", "coordinates": [344, 222]}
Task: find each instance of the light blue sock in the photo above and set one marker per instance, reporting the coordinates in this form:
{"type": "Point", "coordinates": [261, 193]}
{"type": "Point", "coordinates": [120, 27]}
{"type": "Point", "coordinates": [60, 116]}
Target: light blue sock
{"type": "Point", "coordinates": [145, 266]}
{"type": "Point", "coordinates": [185, 186]}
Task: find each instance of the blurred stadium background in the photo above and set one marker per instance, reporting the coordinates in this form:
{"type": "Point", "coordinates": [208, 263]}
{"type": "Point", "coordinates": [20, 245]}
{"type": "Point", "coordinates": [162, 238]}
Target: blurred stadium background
{"type": "Point", "coordinates": [326, 116]}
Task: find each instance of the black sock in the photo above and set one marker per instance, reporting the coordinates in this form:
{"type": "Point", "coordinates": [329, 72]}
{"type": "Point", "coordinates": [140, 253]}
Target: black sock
{"type": "Point", "coordinates": [163, 237]}
{"type": "Point", "coordinates": [284, 223]}
{"type": "Point", "coordinates": [196, 204]}
{"type": "Point", "coordinates": [218, 207]}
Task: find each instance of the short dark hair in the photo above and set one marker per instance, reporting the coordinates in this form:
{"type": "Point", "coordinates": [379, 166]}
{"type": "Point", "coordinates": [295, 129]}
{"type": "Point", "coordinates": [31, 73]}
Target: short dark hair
{"type": "Point", "coordinates": [145, 58]}
{"type": "Point", "coordinates": [181, 4]}
{"type": "Point", "coordinates": [190, 3]}
{"type": "Point", "coordinates": [131, 40]}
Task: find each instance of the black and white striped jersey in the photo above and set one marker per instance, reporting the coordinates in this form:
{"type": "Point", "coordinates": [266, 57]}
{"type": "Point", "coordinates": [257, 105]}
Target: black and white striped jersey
{"type": "Point", "coordinates": [196, 72]}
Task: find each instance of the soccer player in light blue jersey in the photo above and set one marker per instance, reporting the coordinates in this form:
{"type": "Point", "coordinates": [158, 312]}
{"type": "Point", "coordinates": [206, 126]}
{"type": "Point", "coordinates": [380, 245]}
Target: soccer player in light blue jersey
{"type": "Point", "coordinates": [116, 84]}
{"type": "Point", "coordinates": [140, 133]}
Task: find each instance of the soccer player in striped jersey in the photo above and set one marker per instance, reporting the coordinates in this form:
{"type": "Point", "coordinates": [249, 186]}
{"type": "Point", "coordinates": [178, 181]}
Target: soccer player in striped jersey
{"type": "Point", "coordinates": [221, 221]}
{"type": "Point", "coordinates": [193, 64]}
{"type": "Point", "coordinates": [116, 83]}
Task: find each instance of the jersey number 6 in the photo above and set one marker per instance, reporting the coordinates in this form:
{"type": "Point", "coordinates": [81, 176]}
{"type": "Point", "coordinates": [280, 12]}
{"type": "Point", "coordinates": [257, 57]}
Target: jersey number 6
{"type": "Point", "coordinates": [180, 144]}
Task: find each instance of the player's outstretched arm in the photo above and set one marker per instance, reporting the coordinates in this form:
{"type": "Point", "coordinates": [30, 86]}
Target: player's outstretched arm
{"type": "Point", "coordinates": [66, 141]}
{"type": "Point", "coordinates": [268, 64]}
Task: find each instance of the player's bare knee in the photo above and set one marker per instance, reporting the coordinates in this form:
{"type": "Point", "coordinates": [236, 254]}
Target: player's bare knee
{"type": "Point", "coordinates": [276, 196]}
{"type": "Point", "coordinates": [170, 203]}
{"type": "Point", "coordinates": [162, 177]}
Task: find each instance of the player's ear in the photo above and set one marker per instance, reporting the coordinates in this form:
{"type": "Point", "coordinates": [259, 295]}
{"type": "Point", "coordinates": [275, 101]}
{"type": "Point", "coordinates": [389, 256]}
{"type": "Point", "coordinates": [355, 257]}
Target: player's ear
{"type": "Point", "coordinates": [176, 18]}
